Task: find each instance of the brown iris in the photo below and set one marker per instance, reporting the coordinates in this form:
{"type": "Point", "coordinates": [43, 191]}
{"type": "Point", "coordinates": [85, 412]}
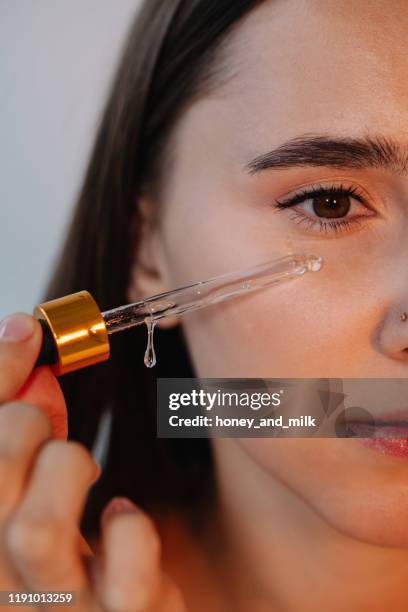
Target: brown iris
{"type": "Point", "coordinates": [332, 206]}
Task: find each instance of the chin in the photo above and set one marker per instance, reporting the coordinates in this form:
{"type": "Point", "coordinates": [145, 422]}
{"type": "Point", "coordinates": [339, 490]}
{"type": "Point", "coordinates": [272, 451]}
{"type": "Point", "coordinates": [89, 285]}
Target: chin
{"type": "Point", "coordinates": [357, 491]}
{"type": "Point", "coordinates": [369, 504]}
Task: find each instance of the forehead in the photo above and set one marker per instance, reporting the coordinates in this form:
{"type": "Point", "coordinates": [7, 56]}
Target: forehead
{"type": "Point", "coordinates": [323, 62]}
{"type": "Point", "coordinates": [296, 67]}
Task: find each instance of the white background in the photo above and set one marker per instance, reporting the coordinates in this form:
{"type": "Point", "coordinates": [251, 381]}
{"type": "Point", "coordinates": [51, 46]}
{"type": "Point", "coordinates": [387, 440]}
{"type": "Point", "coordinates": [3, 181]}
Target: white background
{"type": "Point", "coordinates": [56, 62]}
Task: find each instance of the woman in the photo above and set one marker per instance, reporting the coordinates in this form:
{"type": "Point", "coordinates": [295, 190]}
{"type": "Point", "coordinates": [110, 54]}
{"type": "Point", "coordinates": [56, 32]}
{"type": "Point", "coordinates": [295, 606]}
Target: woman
{"type": "Point", "coordinates": [235, 132]}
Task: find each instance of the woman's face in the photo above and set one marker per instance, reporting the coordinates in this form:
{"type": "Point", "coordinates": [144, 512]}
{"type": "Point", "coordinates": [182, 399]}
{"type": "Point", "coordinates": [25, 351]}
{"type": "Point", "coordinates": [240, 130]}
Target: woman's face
{"type": "Point", "coordinates": [312, 70]}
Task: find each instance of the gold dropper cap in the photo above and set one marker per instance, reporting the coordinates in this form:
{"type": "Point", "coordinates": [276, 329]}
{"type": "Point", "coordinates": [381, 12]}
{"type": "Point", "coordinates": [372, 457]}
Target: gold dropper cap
{"type": "Point", "coordinates": [78, 330]}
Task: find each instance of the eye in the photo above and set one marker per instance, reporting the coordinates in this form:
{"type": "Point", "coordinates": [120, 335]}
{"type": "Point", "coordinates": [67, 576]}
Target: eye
{"type": "Point", "coordinates": [331, 208]}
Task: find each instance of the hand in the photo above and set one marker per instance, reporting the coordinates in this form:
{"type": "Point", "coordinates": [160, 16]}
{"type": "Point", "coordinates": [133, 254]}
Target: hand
{"type": "Point", "coordinates": [44, 481]}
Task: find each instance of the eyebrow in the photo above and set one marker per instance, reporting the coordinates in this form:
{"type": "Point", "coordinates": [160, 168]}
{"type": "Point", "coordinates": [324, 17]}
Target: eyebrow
{"type": "Point", "coordinates": [317, 150]}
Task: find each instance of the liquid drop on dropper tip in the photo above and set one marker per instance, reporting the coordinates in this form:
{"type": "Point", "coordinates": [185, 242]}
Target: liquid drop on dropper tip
{"type": "Point", "coordinates": [314, 263]}
{"type": "Point", "coordinates": [150, 355]}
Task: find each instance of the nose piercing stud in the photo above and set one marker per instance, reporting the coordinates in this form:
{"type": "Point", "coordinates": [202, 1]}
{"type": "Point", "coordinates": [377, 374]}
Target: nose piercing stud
{"type": "Point", "coordinates": [404, 316]}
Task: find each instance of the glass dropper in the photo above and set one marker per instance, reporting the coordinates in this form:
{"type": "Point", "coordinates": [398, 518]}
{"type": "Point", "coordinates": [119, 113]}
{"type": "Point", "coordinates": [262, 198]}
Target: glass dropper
{"type": "Point", "coordinates": [76, 332]}
{"type": "Point", "coordinates": [211, 291]}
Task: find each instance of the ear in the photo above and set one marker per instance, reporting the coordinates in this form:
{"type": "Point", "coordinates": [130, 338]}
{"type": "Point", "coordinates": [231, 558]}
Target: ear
{"type": "Point", "coordinates": [148, 270]}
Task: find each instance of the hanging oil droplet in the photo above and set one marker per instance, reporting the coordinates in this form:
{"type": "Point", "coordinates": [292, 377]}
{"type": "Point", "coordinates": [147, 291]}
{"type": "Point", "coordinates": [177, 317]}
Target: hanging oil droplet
{"type": "Point", "coordinates": [314, 263]}
{"type": "Point", "coordinates": [150, 355]}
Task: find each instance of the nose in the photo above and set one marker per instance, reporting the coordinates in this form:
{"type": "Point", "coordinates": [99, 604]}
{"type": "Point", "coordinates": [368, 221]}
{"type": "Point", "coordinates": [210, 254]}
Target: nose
{"type": "Point", "coordinates": [393, 336]}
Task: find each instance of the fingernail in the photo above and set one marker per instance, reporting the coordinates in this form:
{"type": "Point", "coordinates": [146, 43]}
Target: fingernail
{"type": "Point", "coordinates": [16, 328]}
{"type": "Point", "coordinates": [116, 506]}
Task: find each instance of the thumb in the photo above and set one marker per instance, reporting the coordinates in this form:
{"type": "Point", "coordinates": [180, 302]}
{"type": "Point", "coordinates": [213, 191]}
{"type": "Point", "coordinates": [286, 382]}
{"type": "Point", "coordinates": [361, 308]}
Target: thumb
{"type": "Point", "coordinates": [20, 342]}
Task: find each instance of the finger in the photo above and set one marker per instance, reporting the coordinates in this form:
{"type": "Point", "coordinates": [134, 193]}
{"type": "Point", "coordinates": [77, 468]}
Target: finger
{"type": "Point", "coordinates": [20, 341]}
{"type": "Point", "coordinates": [43, 539]}
{"type": "Point", "coordinates": [23, 430]}
{"type": "Point", "coordinates": [42, 389]}
{"type": "Point", "coordinates": [170, 598]}
{"type": "Point", "coordinates": [131, 572]}
{"type": "Point", "coordinates": [85, 549]}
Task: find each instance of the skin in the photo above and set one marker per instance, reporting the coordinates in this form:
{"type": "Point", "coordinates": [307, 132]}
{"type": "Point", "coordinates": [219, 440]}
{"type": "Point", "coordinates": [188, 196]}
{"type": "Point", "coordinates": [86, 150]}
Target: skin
{"type": "Point", "coordinates": [340, 507]}
{"type": "Point", "coordinates": [292, 514]}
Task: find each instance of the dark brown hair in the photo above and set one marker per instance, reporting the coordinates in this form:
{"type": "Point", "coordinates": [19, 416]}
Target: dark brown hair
{"type": "Point", "coordinates": [169, 59]}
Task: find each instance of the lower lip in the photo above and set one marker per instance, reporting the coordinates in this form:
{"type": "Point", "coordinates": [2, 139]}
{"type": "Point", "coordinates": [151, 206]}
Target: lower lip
{"type": "Point", "coordinates": [387, 440]}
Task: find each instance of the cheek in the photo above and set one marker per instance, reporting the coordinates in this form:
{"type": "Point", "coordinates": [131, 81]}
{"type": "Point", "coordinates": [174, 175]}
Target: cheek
{"type": "Point", "coordinates": [314, 326]}
{"type": "Point", "coordinates": [294, 330]}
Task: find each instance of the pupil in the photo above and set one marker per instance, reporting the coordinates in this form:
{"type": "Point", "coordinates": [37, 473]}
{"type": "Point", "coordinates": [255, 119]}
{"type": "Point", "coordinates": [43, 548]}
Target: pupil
{"type": "Point", "coordinates": [331, 206]}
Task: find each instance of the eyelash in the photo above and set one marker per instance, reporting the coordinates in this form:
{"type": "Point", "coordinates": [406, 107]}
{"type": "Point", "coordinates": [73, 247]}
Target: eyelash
{"type": "Point", "coordinates": [325, 226]}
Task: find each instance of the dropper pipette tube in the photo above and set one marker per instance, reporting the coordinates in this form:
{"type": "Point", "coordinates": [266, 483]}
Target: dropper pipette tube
{"type": "Point", "coordinates": [211, 291]}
